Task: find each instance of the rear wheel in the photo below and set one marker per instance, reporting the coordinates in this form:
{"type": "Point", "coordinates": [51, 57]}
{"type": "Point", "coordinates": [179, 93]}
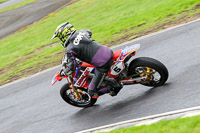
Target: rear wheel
{"type": "Point", "coordinates": [155, 72]}
{"type": "Point", "coordinates": [69, 96]}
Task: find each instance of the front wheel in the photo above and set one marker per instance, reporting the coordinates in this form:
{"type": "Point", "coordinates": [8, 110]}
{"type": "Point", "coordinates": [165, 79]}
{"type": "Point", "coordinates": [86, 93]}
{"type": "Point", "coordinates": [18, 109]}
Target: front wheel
{"type": "Point", "coordinates": [68, 96]}
{"type": "Point", "coordinates": [155, 73]}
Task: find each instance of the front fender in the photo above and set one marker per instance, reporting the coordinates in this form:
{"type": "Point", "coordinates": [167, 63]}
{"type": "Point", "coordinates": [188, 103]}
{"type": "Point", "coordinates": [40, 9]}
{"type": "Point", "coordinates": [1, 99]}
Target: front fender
{"type": "Point", "coordinates": [57, 78]}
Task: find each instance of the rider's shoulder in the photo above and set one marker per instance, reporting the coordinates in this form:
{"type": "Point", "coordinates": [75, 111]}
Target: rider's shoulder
{"type": "Point", "coordinates": [86, 32]}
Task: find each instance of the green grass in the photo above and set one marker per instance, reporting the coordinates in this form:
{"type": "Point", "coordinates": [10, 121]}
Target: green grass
{"type": "Point", "coordinates": [1, 1]}
{"type": "Point", "coordinates": [109, 20]}
{"type": "Point", "coordinates": [180, 125]}
{"type": "Point", "coordinates": [16, 5]}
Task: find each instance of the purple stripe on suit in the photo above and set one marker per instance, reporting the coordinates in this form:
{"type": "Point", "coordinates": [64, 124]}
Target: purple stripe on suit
{"type": "Point", "coordinates": [102, 55]}
{"type": "Point", "coordinates": [104, 90]}
{"type": "Point", "coordinates": [91, 86]}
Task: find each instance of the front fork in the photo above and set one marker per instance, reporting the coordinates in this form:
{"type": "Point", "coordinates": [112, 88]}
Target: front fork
{"type": "Point", "coordinates": [77, 94]}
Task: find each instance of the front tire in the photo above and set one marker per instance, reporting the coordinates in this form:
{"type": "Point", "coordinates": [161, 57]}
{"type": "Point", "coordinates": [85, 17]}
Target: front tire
{"type": "Point", "coordinates": [156, 72]}
{"type": "Point", "coordinates": [68, 96]}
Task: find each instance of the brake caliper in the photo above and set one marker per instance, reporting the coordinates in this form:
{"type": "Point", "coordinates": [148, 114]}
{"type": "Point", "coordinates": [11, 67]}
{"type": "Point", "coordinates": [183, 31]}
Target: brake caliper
{"type": "Point", "coordinates": [147, 72]}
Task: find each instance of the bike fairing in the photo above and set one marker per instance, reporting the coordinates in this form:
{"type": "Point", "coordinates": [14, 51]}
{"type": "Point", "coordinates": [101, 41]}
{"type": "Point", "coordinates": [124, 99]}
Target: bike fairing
{"type": "Point", "coordinates": [83, 77]}
{"type": "Point", "coordinates": [118, 66]}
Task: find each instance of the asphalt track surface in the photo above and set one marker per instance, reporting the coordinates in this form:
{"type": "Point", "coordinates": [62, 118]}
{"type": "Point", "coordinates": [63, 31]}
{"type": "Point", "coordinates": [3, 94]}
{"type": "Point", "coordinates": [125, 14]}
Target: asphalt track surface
{"type": "Point", "coordinates": [9, 3]}
{"type": "Point", "coordinates": [13, 20]}
{"type": "Point", "coordinates": [32, 105]}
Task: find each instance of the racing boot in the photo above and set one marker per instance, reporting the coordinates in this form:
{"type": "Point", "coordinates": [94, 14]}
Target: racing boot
{"type": "Point", "coordinates": [116, 88]}
{"type": "Point", "coordinates": [104, 90]}
{"type": "Point", "coordinates": [93, 93]}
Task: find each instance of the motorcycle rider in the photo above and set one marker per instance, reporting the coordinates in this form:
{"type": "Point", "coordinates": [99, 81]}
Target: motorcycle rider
{"type": "Point", "coordinates": [79, 44]}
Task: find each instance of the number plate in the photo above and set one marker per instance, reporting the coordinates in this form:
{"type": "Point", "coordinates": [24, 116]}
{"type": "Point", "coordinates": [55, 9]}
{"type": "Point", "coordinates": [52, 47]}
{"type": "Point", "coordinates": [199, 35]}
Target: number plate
{"type": "Point", "coordinates": [117, 68]}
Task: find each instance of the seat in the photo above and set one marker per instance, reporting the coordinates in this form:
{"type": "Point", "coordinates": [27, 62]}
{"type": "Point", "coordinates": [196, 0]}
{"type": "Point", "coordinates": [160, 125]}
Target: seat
{"type": "Point", "coordinates": [116, 54]}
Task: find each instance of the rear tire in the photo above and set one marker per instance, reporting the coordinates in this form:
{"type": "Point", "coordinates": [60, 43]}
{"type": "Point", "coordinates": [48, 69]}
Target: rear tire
{"type": "Point", "coordinates": [151, 64]}
{"type": "Point", "coordinates": [70, 100]}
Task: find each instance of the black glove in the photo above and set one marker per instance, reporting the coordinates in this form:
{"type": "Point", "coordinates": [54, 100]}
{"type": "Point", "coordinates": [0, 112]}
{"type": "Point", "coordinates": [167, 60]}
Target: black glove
{"type": "Point", "coordinates": [61, 73]}
{"type": "Point", "coordinates": [67, 71]}
{"type": "Point", "coordinates": [79, 63]}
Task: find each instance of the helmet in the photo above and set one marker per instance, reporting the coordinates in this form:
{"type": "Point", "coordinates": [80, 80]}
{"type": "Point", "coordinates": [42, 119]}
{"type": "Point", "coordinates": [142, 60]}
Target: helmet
{"type": "Point", "coordinates": [64, 32]}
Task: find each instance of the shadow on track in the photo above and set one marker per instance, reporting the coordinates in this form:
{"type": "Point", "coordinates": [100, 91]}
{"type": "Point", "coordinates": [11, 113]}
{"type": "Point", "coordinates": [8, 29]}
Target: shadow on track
{"type": "Point", "coordinates": [120, 108]}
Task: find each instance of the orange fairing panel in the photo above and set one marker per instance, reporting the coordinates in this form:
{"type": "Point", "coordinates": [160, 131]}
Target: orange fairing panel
{"type": "Point", "coordinates": [86, 65]}
{"type": "Point", "coordinates": [116, 54]}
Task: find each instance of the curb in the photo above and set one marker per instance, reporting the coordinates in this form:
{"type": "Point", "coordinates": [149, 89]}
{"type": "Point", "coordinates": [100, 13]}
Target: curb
{"type": "Point", "coordinates": [146, 120]}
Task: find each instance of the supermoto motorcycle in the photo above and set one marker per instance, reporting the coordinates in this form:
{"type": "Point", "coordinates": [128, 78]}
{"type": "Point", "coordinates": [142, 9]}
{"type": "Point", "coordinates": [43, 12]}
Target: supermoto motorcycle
{"type": "Point", "coordinates": [142, 70]}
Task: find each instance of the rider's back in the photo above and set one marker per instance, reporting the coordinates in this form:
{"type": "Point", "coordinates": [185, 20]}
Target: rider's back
{"type": "Point", "coordinates": [82, 46]}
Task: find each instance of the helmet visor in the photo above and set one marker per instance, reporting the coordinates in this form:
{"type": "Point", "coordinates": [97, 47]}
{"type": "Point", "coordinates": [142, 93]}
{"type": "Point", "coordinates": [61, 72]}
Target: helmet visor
{"type": "Point", "coordinates": [54, 35]}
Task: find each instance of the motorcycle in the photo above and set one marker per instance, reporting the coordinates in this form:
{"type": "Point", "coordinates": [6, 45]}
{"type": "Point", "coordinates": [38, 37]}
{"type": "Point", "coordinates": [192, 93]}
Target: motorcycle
{"type": "Point", "coordinates": [142, 70]}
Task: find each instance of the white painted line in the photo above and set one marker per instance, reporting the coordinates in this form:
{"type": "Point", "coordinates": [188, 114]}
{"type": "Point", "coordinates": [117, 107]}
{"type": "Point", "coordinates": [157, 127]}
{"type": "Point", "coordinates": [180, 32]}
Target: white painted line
{"type": "Point", "coordinates": [150, 119]}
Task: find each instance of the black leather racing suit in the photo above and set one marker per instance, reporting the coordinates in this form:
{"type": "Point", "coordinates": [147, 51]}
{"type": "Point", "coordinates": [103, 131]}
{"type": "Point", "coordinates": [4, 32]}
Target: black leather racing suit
{"type": "Point", "coordinates": [83, 47]}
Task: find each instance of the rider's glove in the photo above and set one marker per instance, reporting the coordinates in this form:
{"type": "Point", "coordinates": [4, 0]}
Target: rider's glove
{"type": "Point", "coordinates": [79, 62]}
{"type": "Point", "coordinates": [67, 71]}
{"type": "Point", "coordinates": [61, 73]}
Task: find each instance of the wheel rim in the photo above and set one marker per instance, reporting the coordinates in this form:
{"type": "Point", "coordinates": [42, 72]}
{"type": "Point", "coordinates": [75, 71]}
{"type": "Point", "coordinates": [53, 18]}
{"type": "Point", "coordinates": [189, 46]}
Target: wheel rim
{"type": "Point", "coordinates": [83, 100]}
{"type": "Point", "coordinates": [152, 76]}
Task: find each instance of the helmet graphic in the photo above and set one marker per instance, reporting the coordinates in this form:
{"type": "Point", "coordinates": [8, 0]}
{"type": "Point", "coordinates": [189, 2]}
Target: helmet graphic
{"type": "Point", "coordinates": [64, 32]}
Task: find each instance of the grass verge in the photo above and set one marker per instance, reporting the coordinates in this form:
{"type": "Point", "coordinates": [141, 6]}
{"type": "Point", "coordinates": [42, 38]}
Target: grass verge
{"type": "Point", "coordinates": [1, 1]}
{"type": "Point", "coordinates": [11, 7]}
{"type": "Point", "coordinates": [31, 50]}
{"type": "Point", "coordinates": [179, 125]}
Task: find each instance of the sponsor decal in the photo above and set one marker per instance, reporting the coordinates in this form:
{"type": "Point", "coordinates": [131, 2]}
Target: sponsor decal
{"type": "Point", "coordinates": [83, 77]}
{"type": "Point", "coordinates": [78, 38]}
